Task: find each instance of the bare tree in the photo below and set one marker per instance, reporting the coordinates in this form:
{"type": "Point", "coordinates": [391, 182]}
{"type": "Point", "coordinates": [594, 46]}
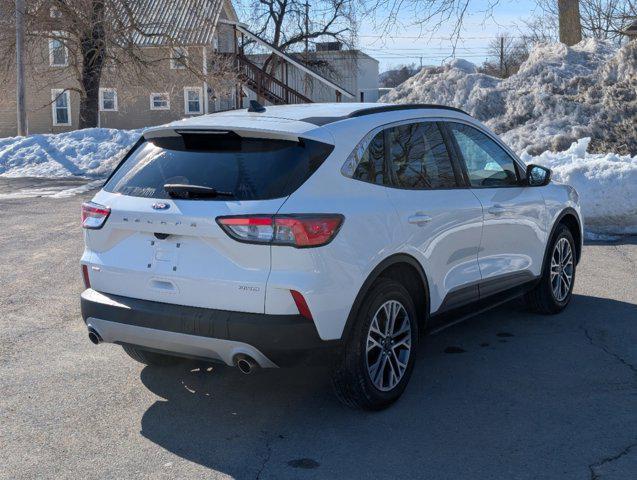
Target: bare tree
{"type": "Point", "coordinates": [97, 36]}
{"type": "Point", "coordinates": [393, 78]}
{"type": "Point", "coordinates": [603, 19]}
{"type": "Point", "coordinates": [292, 25]}
{"type": "Point", "coordinates": [569, 21]}
{"type": "Point", "coordinates": [540, 28]}
{"type": "Point", "coordinates": [506, 54]}
{"type": "Point", "coordinates": [429, 15]}
{"type": "Point", "coordinates": [295, 26]}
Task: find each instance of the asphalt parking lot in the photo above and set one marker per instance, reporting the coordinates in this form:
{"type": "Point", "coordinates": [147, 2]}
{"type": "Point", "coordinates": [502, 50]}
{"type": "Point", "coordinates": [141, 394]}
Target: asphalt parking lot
{"type": "Point", "coordinates": [523, 396]}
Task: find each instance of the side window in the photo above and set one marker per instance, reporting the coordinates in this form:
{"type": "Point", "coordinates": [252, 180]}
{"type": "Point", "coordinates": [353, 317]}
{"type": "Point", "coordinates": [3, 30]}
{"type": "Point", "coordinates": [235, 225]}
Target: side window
{"type": "Point", "coordinates": [488, 164]}
{"type": "Point", "coordinates": [371, 167]}
{"type": "Point", "coordinates": [419, 158]}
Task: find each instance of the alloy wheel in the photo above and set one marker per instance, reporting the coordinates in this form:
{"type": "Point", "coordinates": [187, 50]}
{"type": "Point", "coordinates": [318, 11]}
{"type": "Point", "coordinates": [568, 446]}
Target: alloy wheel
{"type": "Point", "coordinates": [562, 269]}
{"type": "Point", "coordinates": [388, 345]}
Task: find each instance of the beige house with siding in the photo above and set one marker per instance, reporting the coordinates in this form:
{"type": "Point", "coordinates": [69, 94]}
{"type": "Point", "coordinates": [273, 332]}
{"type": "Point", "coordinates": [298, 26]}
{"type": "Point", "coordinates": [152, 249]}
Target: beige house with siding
{"type": "Point", "coordinates": [205, 35]}
{"type": "Point", "coordinates": [175, 91]}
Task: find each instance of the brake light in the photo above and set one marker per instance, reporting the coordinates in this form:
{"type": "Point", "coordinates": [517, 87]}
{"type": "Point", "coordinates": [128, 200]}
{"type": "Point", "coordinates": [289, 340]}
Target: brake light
{"type": "Point", "coordinates": [301, 304]}
{"type": "Point", "coordinates": [300, 231]}
{"type": "Point", "coordinates": [94, 215]}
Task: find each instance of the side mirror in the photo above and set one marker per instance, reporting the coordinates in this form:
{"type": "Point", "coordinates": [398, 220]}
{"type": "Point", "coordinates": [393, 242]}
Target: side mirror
{"type": "Point", "coordinates": [537, 176]}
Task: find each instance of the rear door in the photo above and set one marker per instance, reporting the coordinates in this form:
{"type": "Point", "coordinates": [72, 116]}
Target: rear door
{"type": "Point", "coordinates": [514, 233]}
{"type": "Point", "coordinates": [441, 221]}
{"type": "Point", "coordinates": [155, 246]}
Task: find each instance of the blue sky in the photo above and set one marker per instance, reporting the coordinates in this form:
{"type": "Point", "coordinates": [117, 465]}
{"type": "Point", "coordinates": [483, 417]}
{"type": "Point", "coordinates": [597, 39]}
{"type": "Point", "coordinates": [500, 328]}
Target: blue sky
{"type": "Point", "coordinates": [406, 44]}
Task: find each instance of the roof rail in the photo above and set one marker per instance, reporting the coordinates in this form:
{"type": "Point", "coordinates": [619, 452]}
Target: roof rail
{"type": "Point", "coordinates": [404, 106]}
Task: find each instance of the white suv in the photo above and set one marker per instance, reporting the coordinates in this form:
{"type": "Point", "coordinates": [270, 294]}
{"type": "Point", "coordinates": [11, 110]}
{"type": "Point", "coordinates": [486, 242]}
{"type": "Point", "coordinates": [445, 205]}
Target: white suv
{"type": "Point", "coordinates": [322, 232]}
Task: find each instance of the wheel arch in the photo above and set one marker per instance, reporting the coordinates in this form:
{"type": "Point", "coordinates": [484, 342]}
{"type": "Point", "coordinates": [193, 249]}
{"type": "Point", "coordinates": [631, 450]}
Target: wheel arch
{"type": "Point", "coordinates": [570, 218]}
{"type": "Point", "coordinates": [403, 268]}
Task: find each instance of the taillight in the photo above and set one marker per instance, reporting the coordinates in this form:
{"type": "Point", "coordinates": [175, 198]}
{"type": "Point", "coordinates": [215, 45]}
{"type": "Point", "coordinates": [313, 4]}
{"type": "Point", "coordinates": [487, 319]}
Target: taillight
{"type": "Point", "coordinates": [301, 231]}
{"type": "Point", "coordinates": [94, 215]}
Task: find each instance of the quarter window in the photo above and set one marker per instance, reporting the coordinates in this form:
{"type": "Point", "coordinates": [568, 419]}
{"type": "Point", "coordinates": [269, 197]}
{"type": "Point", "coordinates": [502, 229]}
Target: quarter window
{"type": "Point", "coordinates": [488, 164]}
{"type": "Point", "coordinates": [61, 105]}
{"type": "Point", "coordinates": [372, 166]}
{"type": "Point", "coordinates": [192, 100]}
{"type": "Point", "coordinates": [419, 157]}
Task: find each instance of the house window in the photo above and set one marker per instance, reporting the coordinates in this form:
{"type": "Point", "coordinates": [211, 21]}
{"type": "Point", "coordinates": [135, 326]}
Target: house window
{"type": "Point", "coordinates": [192, 100]}
{"type": "Point", "coordinates": [108, 100]}
{"type": "Point", "coordinates": [178, 58]}
{"type": "Point", "coordinates": [159, 101]}
{"type": "Point", "coordinates": [61, 105]}
{"type": "Point", "coordinates": [58, 54]}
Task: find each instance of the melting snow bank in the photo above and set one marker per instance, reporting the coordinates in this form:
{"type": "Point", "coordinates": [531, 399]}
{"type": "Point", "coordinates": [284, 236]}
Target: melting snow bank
{"type": "Point", "coordinates": [92, 152]}
{"type": "Point", "coordinates": [606, 183]}
{"type": "Point", "coordinates": [560, 94]}
{"type": "Point", "coordinates": [29, 187]}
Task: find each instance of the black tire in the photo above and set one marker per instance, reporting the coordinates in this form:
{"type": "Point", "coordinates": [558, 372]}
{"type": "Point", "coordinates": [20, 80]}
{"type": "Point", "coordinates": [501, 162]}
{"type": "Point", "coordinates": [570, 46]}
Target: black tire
{"type": "Point", "coordinates": [147, 357]}
{"type": "Point", "coordinates": [542, 299]}
{"type": "Point", "coordinates": [350, 376]}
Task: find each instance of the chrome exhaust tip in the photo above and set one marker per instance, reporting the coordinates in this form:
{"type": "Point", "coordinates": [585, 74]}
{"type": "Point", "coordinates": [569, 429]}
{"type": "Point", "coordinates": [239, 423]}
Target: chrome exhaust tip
{"type": "Point", "coordinates": [245, 364]}
{"type": "Point", "coordinates": [94, 337]}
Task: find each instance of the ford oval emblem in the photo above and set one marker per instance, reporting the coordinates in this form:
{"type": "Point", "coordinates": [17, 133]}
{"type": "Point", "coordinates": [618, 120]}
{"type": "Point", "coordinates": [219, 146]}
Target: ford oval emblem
{"type": "Point", "coordinates": [161, 206]}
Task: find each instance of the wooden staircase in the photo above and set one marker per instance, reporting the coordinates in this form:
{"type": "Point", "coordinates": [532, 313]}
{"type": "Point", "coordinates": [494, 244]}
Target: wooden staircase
{"type": "Point", "coordinates": [265, 85]}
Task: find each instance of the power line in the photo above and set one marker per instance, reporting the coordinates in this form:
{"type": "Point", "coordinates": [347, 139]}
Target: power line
{"type": "Point", "coordinates": [425, 37]}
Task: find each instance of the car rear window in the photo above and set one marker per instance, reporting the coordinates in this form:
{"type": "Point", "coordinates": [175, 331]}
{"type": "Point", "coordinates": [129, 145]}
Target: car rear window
{"type": "Point", "coordinates": [248, 168]}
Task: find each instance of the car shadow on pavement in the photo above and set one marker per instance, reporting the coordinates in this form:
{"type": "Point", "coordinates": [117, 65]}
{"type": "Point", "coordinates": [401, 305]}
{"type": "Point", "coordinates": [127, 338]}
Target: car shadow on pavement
{"type": "Point", "coordinates": [507, 391]}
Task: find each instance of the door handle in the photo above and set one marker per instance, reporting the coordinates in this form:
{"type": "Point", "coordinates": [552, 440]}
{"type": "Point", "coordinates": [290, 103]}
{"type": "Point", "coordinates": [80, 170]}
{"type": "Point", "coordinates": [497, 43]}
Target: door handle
{"type": "Point", "coordinates": [419, 219]}
{"type": "Point", "coordinates": [497, 209]}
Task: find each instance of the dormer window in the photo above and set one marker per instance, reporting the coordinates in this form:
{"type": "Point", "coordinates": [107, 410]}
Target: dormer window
{"type": "Point", "coordinates": [58, 53]}
{"type": "Point", "coordinates": [178, 58]}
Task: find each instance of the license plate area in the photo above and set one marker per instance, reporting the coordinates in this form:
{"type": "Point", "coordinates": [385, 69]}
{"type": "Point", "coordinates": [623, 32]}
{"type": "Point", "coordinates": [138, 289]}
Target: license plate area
{"type": "Point", "coordinates": [164, 256]}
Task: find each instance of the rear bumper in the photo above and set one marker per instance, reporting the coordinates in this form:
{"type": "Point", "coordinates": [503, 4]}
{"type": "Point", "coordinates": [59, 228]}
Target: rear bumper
{"type": "Point", "coordinates": [272, 340]}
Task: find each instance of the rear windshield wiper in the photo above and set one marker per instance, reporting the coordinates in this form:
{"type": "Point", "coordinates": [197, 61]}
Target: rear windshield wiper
{"type": "Point", "coordinates": [186, 191]}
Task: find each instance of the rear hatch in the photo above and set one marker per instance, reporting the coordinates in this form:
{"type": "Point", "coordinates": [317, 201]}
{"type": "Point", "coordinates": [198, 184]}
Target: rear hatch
{"type": "Point", "coordinates": [161, 240]}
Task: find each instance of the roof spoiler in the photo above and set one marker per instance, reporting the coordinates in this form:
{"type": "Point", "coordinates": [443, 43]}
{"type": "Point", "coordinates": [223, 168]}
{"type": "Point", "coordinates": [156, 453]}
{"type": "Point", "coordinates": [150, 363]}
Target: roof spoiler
{"type": "Point", "coordinates": [162, 132]}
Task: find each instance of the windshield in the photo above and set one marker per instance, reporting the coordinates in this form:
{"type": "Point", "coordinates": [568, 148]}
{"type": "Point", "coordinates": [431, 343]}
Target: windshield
{"type": "Point", "coordinates": [245, 168]}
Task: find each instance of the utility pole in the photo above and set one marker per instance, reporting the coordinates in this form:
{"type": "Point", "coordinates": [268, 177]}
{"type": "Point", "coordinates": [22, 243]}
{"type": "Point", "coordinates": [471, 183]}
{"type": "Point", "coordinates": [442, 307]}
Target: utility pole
{"type": "Point", "coordinates": [19, 50]}
{"type": "Point", "coordinates": [307, 26]}
{"type": "Point", "coordinates": [502, 56]}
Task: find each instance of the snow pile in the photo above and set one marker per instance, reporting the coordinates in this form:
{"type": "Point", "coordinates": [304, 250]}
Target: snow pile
{"type": "Point", "coordinates": [92, 152]}
{"type": "Point", "coordinates": [560, 95]}
{"type": "Point", "coordinates": [606, 183]}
